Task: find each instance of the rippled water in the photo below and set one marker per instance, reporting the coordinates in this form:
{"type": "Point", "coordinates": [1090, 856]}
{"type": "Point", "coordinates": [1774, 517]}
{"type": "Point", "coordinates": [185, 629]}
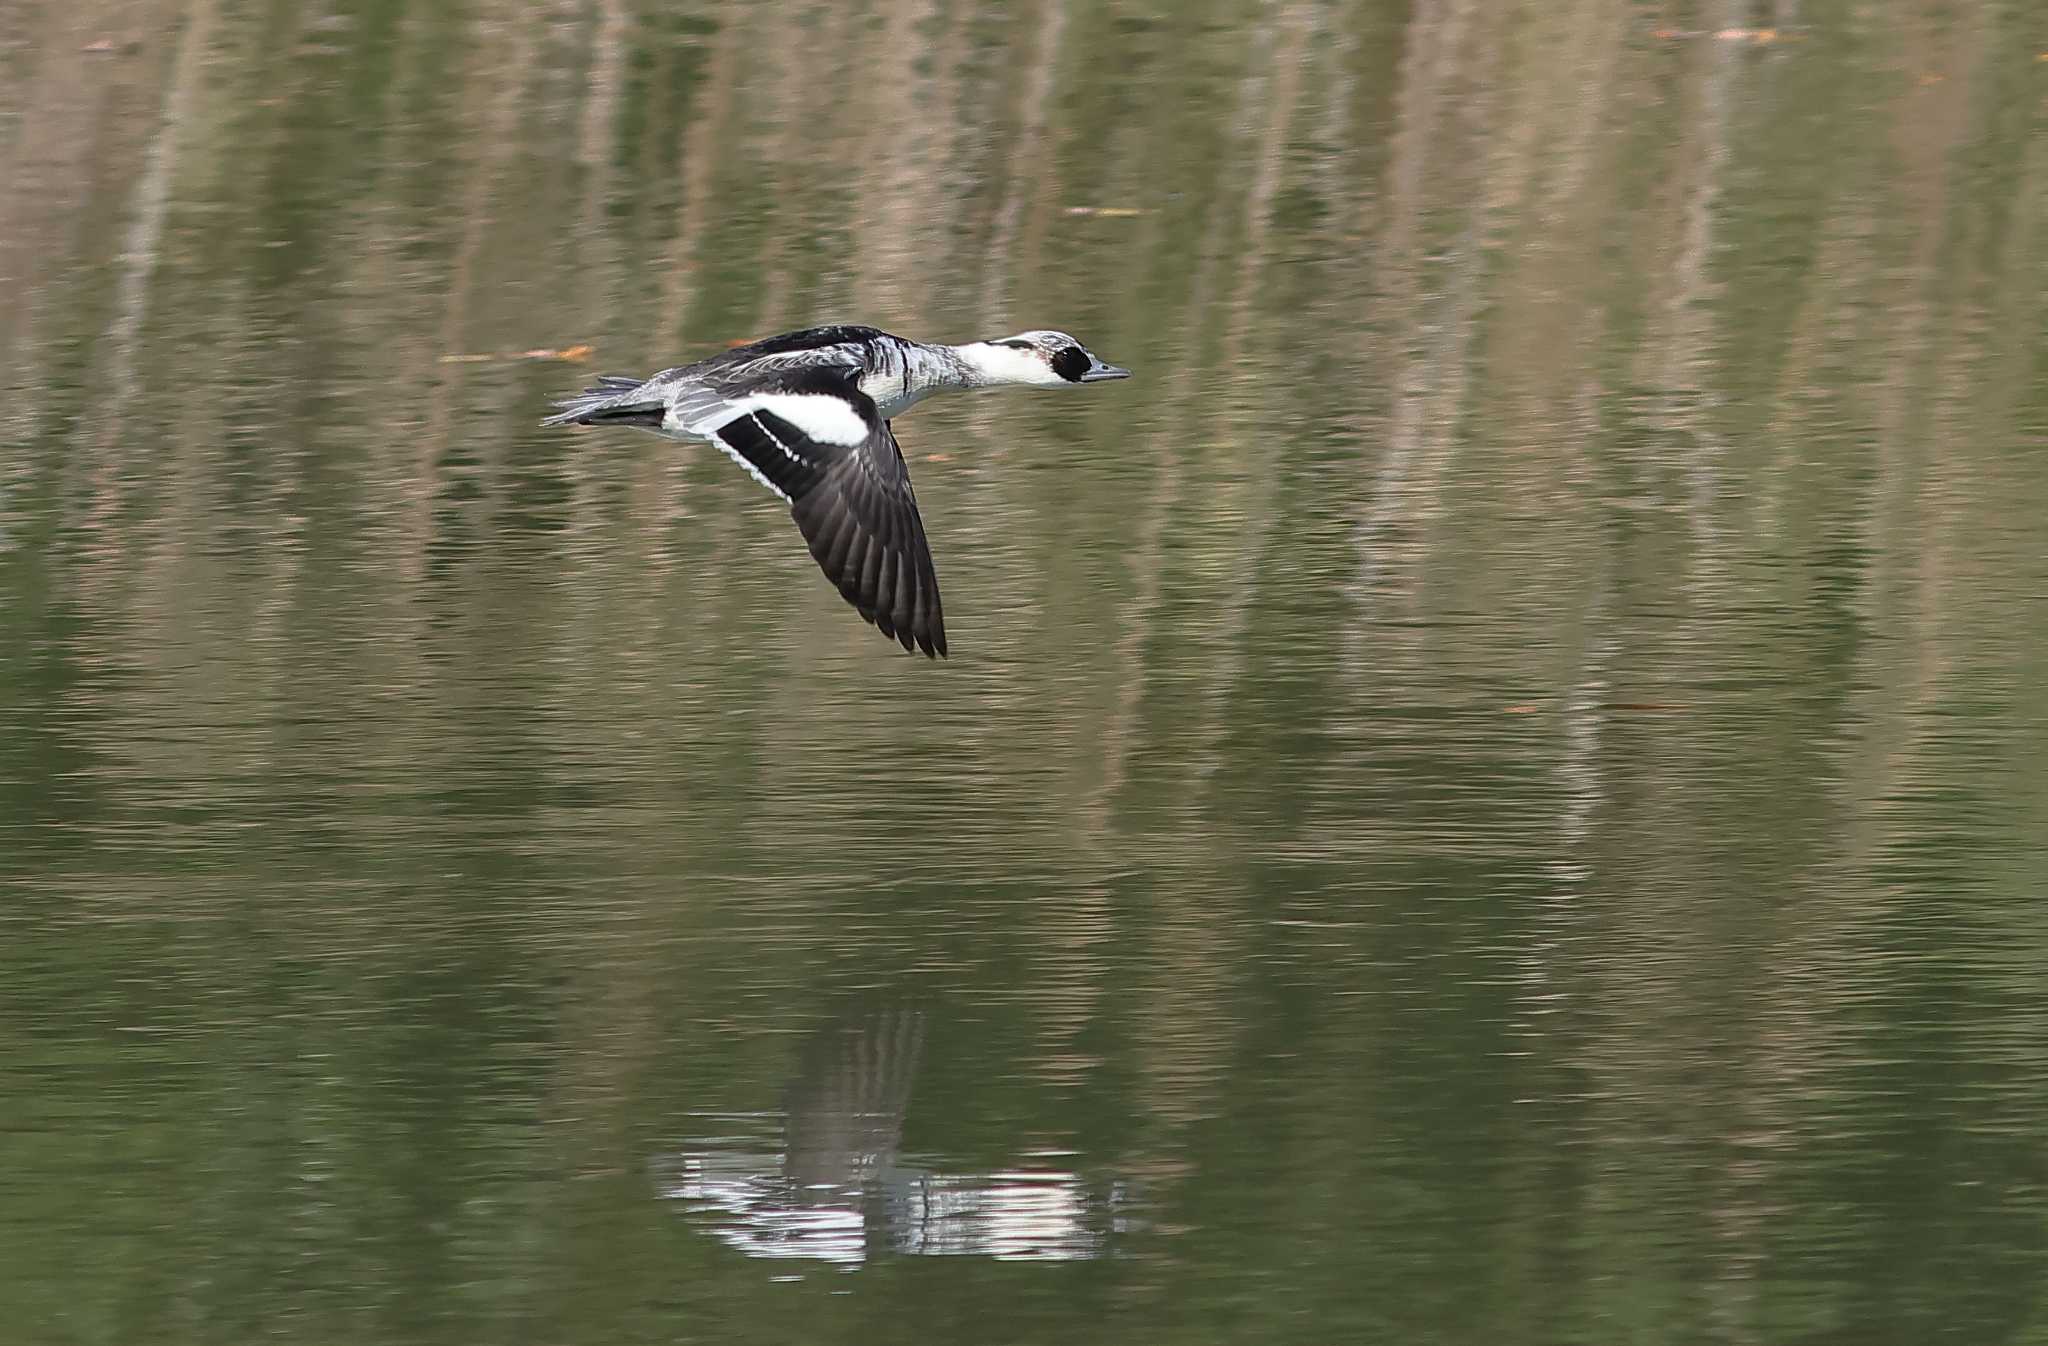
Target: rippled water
{"type": "Point", "coordinates": [1493, 793]}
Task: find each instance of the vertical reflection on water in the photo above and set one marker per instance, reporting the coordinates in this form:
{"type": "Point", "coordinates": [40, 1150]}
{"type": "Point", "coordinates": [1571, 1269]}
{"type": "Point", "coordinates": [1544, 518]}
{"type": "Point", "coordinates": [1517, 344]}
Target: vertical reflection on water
{"type": "Point", "coordinates": [1425, 360]}
{"type": "Point", "coordinates": [1243, 497]}
{"type": "Point", "coordinates": [1169, 453]}
{"type": "Point", "coordinates": [679, 275]}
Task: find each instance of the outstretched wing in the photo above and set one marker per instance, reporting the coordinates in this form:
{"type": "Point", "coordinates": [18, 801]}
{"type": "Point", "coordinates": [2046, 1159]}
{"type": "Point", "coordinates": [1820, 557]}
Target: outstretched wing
{"type": "Point", "coordinates": [862, 525]}
{"type": "Point", "coordinates": [817, 441]}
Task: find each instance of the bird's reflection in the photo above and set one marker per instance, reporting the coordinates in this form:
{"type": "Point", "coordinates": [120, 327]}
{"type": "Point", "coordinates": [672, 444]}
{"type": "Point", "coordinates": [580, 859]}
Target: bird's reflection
{"type": "Point", "coordinates": [834, 1185]}
{"type": "Point", "coordinates": [844, 1111]}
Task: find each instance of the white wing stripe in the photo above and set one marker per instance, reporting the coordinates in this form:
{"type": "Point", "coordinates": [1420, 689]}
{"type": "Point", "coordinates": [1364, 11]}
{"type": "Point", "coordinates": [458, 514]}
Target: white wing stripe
{"type": "Point", "coordinates": [819, 416]}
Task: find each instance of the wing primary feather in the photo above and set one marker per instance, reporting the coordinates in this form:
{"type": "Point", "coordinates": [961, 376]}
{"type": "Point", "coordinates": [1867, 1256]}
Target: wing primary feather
{"type": "Point", "coordinates": [920, 613]}
{"type": "Point", "coordinates": [871, 577]}
{"type": "Point", "coordinates": [906, 593]}
{"type": "Point", "coordinates": [935, 620]}
{"type": "Point", "coordinates": [849, 574]}
{"type": "Point", "coordinates": [885, 611]}
{"type": "Point", "coordinates": [832, 540]}
{"type": "Point", "coordinates": [890, 598]}
{"type": "Point", "coordinates": [884, 512]}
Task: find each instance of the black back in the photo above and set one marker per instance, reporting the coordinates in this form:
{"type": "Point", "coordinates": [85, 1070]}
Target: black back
{"type": "Point", "coordinates": [809, 339]}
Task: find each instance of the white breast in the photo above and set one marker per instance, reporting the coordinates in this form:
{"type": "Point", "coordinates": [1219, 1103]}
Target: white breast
{"type": "Point", "coordinates": [892, 396]}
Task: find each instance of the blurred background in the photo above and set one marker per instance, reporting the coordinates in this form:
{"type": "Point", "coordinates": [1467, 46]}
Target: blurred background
{"type": "Point", "coordinates": [1495, 792]}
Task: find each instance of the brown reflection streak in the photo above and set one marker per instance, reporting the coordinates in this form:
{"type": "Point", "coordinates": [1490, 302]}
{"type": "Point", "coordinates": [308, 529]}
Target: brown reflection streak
{"type": "Point", "coordinates": [1163, 448]}
{"type": "Point", "coordinates": [137, 264]}
{"type": "Point", "coordinates": [1843, 276]}
{"type": "Point", "coordinates": [146, 220]}
{"type": "Point", "coordinates": [703, 145]}
{"type": "Point", "coordinates": [1014, 144]}
{"type": "Point", "coordinates": [1026, 174]}
{"type": "Point", "coordinates": [1683, 331]}
{"type": "Point", "coordinates": [601, 279]}
{"type": "Point", "coordinates": [1428, 381]}
{"type": "Point", "coordinates": [498, 78]}
{"type": "Point", "coordinates": [1574, 79]}
{"type": "Point", "coordinates": [1028, 156]}
{"type": "Point", "coordinates": [1900, 675]}
{"type": "Point", "coordinates": [81, 121]}
{"type": "Point", "coordinates": [956, 112]}
{"type": "Point", "coordinates": [50, 168]}
{"type": "Point", "coordinates": [791, 156]}
{"type": "Point", "coordinates": [715, 143]}
{"type": "Point", "coordinates": [904, 201]}
{"type": "Point", "coordinates": [1185, 1034]}
{"type": "Point", "coordinates": [149, 510]}
{"type": "Point", "coordinates": [1673, 363]}
{"type": "Point", "coordinates": [1246, 502]}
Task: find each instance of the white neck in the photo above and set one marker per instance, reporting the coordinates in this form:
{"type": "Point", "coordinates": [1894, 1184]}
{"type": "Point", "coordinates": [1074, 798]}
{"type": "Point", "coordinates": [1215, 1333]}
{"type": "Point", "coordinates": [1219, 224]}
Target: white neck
{"type": "Point", "coordinates": [984, 364]}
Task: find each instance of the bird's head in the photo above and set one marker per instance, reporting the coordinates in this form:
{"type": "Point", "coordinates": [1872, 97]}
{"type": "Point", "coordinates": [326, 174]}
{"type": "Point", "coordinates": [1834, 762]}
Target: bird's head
{"type": "Point", "coordinates": [1038, 360]}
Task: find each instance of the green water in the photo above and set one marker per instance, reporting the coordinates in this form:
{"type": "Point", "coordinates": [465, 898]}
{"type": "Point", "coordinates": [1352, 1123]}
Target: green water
{"type": "Point", "coordinates": [1494, 793]}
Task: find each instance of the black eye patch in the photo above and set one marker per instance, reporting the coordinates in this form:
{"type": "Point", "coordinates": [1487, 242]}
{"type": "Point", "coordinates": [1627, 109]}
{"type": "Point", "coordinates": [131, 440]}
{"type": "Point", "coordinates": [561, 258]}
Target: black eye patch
{"type": "Point", "coordinates": [1071, 363]}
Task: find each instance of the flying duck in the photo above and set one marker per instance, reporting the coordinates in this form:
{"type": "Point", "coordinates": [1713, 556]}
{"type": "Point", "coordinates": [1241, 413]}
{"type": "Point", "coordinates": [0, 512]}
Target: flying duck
{"type": "Point", "coordinates": [807, 415]}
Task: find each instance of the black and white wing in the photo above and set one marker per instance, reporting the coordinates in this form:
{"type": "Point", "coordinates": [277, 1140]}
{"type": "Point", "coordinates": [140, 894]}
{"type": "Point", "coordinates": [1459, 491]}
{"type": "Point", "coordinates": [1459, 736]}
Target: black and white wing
{"type": "Point", "coordinates": [812, 437]}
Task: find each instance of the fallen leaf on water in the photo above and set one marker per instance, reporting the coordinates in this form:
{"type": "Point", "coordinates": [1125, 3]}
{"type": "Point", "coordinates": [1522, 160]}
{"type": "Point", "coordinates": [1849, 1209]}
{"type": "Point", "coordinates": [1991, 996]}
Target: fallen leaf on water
{"type": "Point", "coordinates": [573, 354]}
{"type": "Point", "coordinates": [1756, 35]}
{"type": "Point", "coordinates": [1106, 212]}
{"type": "Point", "coordinates": [938, 458]}
{"type": "Point", "coordinates": [103, 44]}
{"type": "Point", "coordinates": [1523, 709]}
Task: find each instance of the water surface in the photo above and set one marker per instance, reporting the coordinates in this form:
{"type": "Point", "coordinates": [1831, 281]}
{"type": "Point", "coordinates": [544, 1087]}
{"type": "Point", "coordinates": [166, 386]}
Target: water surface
{"type": "Point", "coordinates": [1493, 793]}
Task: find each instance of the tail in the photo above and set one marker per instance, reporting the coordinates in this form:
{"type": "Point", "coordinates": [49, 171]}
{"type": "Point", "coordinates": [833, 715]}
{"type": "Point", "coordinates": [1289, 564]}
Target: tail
{"type": "Point", "coordinates": [611, 400]}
